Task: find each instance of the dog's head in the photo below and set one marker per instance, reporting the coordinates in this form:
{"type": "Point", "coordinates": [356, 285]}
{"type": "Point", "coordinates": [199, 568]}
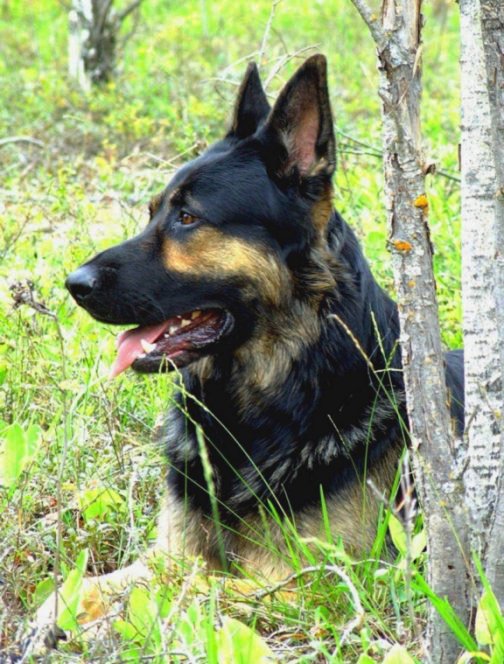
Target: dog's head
{"type": "Point", "coordinates": [231, 236]}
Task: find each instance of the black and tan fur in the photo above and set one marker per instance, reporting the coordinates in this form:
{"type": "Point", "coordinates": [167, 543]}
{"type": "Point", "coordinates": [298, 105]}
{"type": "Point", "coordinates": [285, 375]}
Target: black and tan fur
{"type": "Point", "coordinates": [297, 386]}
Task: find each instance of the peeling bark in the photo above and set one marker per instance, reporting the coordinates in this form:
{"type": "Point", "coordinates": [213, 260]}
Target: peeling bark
{"type": "Point", "coordinates": [94, 26]}
{"type": "Point", "coordinates": [493, 42]}
{"type": "Point", "coordinates": [438, 455]}
{"type": "Point", "coordinates": [482, 161]}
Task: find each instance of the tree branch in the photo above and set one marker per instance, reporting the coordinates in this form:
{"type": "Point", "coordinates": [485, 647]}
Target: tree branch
{"type": "Point", "coordinates": [373, 151]}
{"type": "Point", "coordinates": [103, 15]}
{"type": "Point", "coordinates": [372, 21]}
{"type": "Point", "coordinates": [131, 8]}
{"type": "Point", "coordinates": [267, 29]}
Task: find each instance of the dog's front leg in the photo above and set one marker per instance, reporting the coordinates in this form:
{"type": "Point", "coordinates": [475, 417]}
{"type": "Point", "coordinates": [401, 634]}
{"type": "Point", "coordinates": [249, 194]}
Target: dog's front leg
{"type": "Point", "coordinates": [95, 601]}
{"type": "Point", "coordinates": [179, 534]}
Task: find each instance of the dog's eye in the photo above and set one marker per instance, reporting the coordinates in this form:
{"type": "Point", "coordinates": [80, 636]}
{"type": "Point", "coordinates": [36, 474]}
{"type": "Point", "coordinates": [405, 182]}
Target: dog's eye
{"type": "Point", "coordinates": [187, 219]}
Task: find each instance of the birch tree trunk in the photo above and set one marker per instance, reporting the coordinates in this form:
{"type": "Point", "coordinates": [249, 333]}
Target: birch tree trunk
{"type": "Point", "coordinates": [92, 42]}
{"type": "Point", "coordinates": [437, 454]}
{"type": "Point", "coordinates": [493, 42]}
{"type": "Point", "coordinates": [482, 78]}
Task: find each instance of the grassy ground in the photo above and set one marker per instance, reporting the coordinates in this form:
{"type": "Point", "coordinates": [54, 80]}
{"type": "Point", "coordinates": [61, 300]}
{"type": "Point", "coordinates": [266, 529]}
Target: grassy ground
{"type": "Point", "coordinates": [86, 186]}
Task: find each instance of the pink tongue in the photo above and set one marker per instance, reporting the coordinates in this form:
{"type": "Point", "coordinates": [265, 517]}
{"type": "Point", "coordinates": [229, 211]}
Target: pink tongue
{"type": "Point", "coordinates": [129, 346]}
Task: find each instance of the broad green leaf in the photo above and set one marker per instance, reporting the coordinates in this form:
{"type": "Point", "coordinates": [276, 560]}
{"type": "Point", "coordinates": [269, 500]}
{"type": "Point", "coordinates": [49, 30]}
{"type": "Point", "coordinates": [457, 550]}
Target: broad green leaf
{"type": "Point", "coordinates": [98, 502]}
{"type": "Point", "coordinates": [488, 628]}
{"type": "Point", "coordinates": [163, 599]}
{"type": "Point", "coordinates": [482, 627]}
{"type": "Point", "coordinates": [489, 618]}
{"type": "Point", "coordinates": [365, 659]}
{"type": "Point", "coordinates": [70, 594]}
{"type": "Point", "coordinates": [143, 615]}
{"type": "Point", "coordinates": [18, 446]}
{"type": "Point", "coordinates": [497, 653]}
{"type": "Point", "coordinates": [140, 610]}
{"type": "Point", "coordinates": [65, 569]}
{"type": "Point", "coordinates": [418, 544]}
{"type": "Point", "coordinates": [127, 630]}
{"type": "Point", "coordinates": [42, 591]}
{"type": "Point", "coordinates": [82, 561]}
{"type": "Point", "coordinates": [211, 640]}
{"type": "Point", "coordinates": [239, 644]}
{"type": "Point", "coordinates": [398, 535]}
{"type": "Point", "coordinates": [191, 623]}
{"type": "Point", "coordinates": [132, 655]}
{"type": "Point", "coordinates": [398, 655]}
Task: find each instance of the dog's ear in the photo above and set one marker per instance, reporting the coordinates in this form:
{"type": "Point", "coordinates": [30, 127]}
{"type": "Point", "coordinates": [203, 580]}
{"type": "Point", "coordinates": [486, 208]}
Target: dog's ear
{"type": "Point", "coordinates": [251, 106]}
{"type": "Point", "coordinates": [302, 121]}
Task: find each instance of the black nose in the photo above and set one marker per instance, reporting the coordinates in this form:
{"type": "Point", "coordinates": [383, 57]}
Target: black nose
{"type": "Point", "coordinates": [82, 282]}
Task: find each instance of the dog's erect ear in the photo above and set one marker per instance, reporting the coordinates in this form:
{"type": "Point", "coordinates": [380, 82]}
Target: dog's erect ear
{"type": "Point", "coordinates": [251, 106]}
{"type": "Point", "coordinates": [301, 119]}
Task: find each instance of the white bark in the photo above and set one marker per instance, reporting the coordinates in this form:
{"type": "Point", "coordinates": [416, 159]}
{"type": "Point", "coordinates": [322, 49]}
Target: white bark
{"type": "Point", "coordinates": [437, 456]}
{"type": "Point", "coordinates": [493, 41]}
{"type": "Point", "coordinates": [483, 278]}
{"type": "Point", "coordinates": [93, 34]}
{"type": "Point", "coordinates": [80, 19]}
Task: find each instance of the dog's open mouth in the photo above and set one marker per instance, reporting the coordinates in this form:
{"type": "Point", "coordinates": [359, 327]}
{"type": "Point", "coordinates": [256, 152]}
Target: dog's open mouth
{"type": "Point", "coordinates": [173, 343]}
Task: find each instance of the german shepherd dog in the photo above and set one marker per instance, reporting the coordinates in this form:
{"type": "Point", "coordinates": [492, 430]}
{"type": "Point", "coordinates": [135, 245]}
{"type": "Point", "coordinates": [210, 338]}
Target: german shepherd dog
{"type": "Point", "coordinates": [250, 285]}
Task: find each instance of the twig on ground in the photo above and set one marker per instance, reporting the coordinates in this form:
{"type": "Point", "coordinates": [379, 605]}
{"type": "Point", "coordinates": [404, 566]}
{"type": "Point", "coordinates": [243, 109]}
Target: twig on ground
{"type": "Point", "coordinates": [21, 139]}
{"type": "Point", "coordinates": [329, 569]}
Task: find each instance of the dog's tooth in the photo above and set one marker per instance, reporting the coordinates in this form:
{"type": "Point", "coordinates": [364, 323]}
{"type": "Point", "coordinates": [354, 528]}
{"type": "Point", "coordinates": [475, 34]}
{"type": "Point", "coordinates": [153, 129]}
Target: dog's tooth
{"type": "Point", "coordinates": [173, 328]}
{"type": "Point", "coordinates": [185, 322]}
{"type": "Point", "coordinates": [148, 348]}
{"type": "Point", "coordinates": [195, 314]}
{"type": "Point", "coordinates": [141, 356]}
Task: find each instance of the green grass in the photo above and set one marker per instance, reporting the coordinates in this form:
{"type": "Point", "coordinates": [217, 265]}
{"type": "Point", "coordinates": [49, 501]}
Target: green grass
{"type": "Point", "coordinates": [102, 159]}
